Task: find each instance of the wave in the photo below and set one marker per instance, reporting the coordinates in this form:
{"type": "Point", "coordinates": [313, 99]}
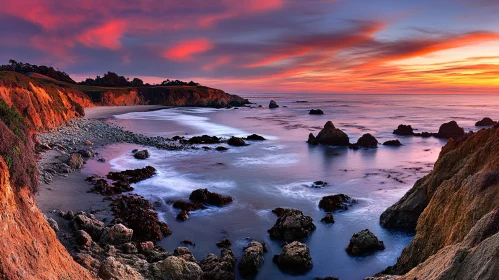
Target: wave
{"type": "Point", "coordinates": [274, 160]}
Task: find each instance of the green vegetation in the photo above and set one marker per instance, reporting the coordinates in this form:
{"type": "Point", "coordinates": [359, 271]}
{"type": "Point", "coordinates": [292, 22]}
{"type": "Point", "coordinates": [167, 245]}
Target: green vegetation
{"type": "Point", "coordinates": [25, 68]}
{"type": "Point", "coordinates": [13, 120]}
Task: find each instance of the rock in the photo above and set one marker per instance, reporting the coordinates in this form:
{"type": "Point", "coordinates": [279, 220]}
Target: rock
{"type": "Point", "coordinates": [188, 242]}
{"type": "Point", "coordinates": [210, 198]}
{"type": "Point", "coordinates": [226, 243]}
{"type": "Point", "coordinates": [363, 243]}
{"type": "Point", "coordinates": [330, 135]}
{"type": "Point", "coordinates": [184, 253]}
{"type": "Point", "coordinates": [236, 141]}
{"type": "Point", "coordinates": [101, 160]}
{"type": "Point", "coordinates": [316, 112]}
{"type": "Point", "coordinates": [53, 224]}
{"type": "Point", "coordinates": [255, 137]}
{"type": "Point", "coordinates": [312, 140]}
{"type": "Point", "coordinates": [116, 235]}
{"type": "Point", "coordinates": [450, 130]}
{"type": "Point", "coordinates": [183, 215]}
{"type": "Point", "coordinates": [273, 104]}
{"type": "Point", "coordinates": [146, 247]}
{"type": "Point", "coordinates": [404, 130]}
{"type": "Point", "coordinates": [335, 202]}
{"type": "Point", "coordinates": [86, 153]}
{"type": "Point", "coordinates": [69, 215]}
{"type": "Point", "coordinates": [204, 139]}
{"type": "Point", "coordinates": [75, 161]}
{"type": "Point", "coordinates": [291, 225]}
{"type": "Point", "coordinates": [88, 143]}
{"type": "Point", "coordinates": [252, 258]}
{"type": "Point", "coordinates": [91, 226]}
{"type": "Point", "coordinates": [133, 176]}
{"type": "Point", "coordinates": [486, 122]}
{"type": "Point", "coordinates": [295, 258]}
{"type": "Point", "coordinates": [129, 248]}
{"type": "Point", "coordinates": [328, 219]}
{"type": "Point", "coordinates": [367, 141]}
{"type": "Point", "coordinates": [141, 154]}
{"type": "Point", "coordinates": [82, 238]}
{"type": "Point", "coordinates": [112, 269]}
{"type": "Point", "coordinates": [187, 205]}
{"type": "Point", "coordinates": [394, 143]}
{"type": "Point", "coordinates": [221, 148]}
{"type": "Point", "coordinates": [319, 184]}
{"type": "Point", "coordinates": [87, 261]}
{"type": "Point", "coordinates": [215, 268]}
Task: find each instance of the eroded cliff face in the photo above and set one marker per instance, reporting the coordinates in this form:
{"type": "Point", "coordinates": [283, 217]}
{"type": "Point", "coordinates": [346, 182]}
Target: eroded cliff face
{"type": "Point", "coordinates": [454, 210]}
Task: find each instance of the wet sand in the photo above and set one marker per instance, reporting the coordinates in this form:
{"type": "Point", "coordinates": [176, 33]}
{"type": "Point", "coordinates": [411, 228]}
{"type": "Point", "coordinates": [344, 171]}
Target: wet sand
{"type": "Point", "coordinates": [103, 112]}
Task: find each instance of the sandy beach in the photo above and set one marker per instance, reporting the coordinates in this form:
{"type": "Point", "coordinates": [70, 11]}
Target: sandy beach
{"type": "Point", "coordinates": [102, 112]}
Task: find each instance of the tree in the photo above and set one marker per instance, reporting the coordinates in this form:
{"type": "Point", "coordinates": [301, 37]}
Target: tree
{"type": "Point", "coordinates": [136, 82]}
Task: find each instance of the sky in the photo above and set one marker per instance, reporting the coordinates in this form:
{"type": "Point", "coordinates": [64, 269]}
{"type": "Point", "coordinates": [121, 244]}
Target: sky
{"type": "Point", "coordinates": [242, 46]}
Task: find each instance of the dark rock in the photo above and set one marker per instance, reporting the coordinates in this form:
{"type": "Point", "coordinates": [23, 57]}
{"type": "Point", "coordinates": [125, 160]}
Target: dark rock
{"type": "Point", "coordinates": [450, 130]}
{"type": "Point", "coordinates": [133, 175]}
{"type": "Point", "coordinates": [330, 135]}
{"type": "Point", "coordinates": [221, 148]}
{"type": "Point", "coordinates": [102, 186]}
{"type": "Point", "coordinates": [206, 148]}
{"type": "Point", "coordinates": [291, 225]}
{"type": "Point", "coordinates": [226, 243]}
{"type": "Point", "coordinates": [316, 112]}
{"type": "Point", "coordinates": [404, 130]}
{"type": "Point", "coordinates": [134, 151]}
{"type": "Point", "coordinates": [336, 202]}
{"type": "Point", "coordinates": [91, 226]}
{"type": "Point", "coordinates": [116, 234]}
{"type": "Point", "coordinates": [236, 141]}
{"type": "Point", "coordinates": [101, 160]}
{"type": "Point", "coordinates": [312, 140]}
{"type": "Point", "coordinates": [363, 243]}
{"type": "Point", "coordinates": [367, 141]}
{"type": "Point", "coordinates": [295, 258]}
{"type": "Point", "coordinates": [252, 259]}
{"type": "Point", "coordinates": [187, 205]}
{"type": "Point", "coordinates": [319, 184]}
{"type": "Point", "coordinates": [188, 242]}
{"type": "Point", "coordinates": [75, 161]}
{"type": "Point", "coordinates": [184, 253]}
{"type": "Point", "coordinates": [129, 248]}
{"type": "Point", "coordinates": [86, 153]}
{"type": "Point", "coordinates": [273, 104]}
{"type": "Point", "coordinates": [215, 268]}
{"type": "Point", "coordinates": [486, 122]}
{"type": "Point", "coordinates": [255, 137]}
{"type": "Point", "coordinates": [354, 147]}
{"type": "Point", "coordinates": [68, 215]}
{"type": "Point", "coordinates": [141, 154]}
{"type": "Point", "coordinates": [395, 143]}
{"type": "Point", "coordinates": [82, 238]}
{"type": "Point", "coordinates": [183, 215]}
{"type": "Point", "coordinates": [328, 219]}
{"type": "Point", "coordinates": [204, 139]}
{"type": "Point", "coordinates": [210, 198]}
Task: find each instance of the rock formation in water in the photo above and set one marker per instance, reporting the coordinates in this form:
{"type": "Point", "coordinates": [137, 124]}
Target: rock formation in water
{"type": "Point", "coordinates": [450, 130]}
{"type": "Point", "coordinates": [485, 122]}
{"type": "Point", "coordinates": [367, 141]}
{"type": "Point", "coordinates": [330, 135]}
{"type": "Point", "coordinates": [273, 104]}
{"type": "Point", "coordinates": [316, 112]}
{"type": "Point", "coordinates": [404, 130]}
{"type": "Point", "coordinates": [454, 212]}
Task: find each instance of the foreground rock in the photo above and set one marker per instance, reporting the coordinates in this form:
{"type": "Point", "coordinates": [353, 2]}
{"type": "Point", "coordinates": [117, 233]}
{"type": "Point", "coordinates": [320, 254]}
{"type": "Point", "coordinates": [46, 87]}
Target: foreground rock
{"type": "Point", "coordinates": [75, 161]}
{"type": "Point", "coordinates": [363, 243]}
{"type": "Point", "coordinates": [236, 141]}
{"type": "Point", "coordinates": [454, 212]}
{"type": "Point", "coordinates": [133, 175]}
{"type": "Point", "coordinates": [335, 202]}
{"type": "Point", "coordinates": [215, 268]}
{"type": "Point", "coordinates": [144, 154]}
{"type": "Point", "coordinates": [486, 122]}
{"type": "Point", "coordinates": [367, 141]}
{"type": "Point", "coordinates": [291, 225]}
{"type": "Point", "coordinates": [210, 198]}
{"type": "Point", "coordinates": [316, 112]}
{"type": "Point", "coordinates": [113, 269]}
{"type": "Point", "coordinates": [273, 104]}
{"type": "Point", "coordinates": [450, 130]}
{"type": "Point", "coordinates": [295, 258]}
{"type": "Point", "coordinates": [255, 137]}
{"type": "Point", "coordinates": [394, 143]}
{"type": "Point", "coordinates": [328, 219]}
{"type": "Point", "coordinates": [331, 135]}
{"type": "Point", "coordinates": [404, 130]}
{"type": "Point", "coordinates": [204, 139]}
{"type": "Point", "coordinates": [252, 259]}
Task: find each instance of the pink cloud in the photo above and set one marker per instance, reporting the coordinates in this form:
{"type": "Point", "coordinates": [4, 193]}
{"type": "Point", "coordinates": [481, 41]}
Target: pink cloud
{"type": "Point", "coordinates": [185, 50]}
{"type": "Point", "coordinates": [218, 62]}
{"type": "Point", "coordinates": [106, 36]}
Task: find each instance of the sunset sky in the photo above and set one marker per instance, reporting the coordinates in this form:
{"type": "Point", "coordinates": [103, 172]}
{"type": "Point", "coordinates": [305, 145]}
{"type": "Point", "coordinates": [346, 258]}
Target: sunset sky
{"type": "Point", "coordinates": [330, 46]}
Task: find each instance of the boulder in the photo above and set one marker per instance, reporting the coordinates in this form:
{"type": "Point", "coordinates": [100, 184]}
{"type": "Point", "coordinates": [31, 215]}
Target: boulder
{"type": "Point", "coordinates": [129, 248]}
{"type": "Point", "coordinates": [187, 205]}
{"type": "Point", "coordinates": [404, 130]}
{"type": "Point", "coordinates": [363, 243]}
{"type": "Point", "coordinates": [335, 202]}
{"type": "Point", "coordinates": [113, 269]}
{"type": "Point", "coordinates": [183, 215]}
{"type": "Point", "coordinates": [145, 247]}
{"type": "Point", "coordinates": [273, 104]}
{"type": "Point", "coordinates": [210, 198]}
{"type": "Point", "coordinates": [91, 226]}
{"type": "Point", "coordinates": [295, 258]}
{"type": "Point", "coordinates": [53, 224]}
{"type": "Point", "coordinates": [116, 235]}
{"type": "Point", "coordinates": [75, 161]}
{"type": "Point", "coordinates": [319, 184]}
{"type": "Point", "coordinates": [291, 225]}
{"type": "Point", "coordinates": [328, 219]}
{"type": "Point", "coordinates": [226, 243]}
{"type": "Point", "coordinates": [221, 148]}
{"type": "Point", "coordinates": [86, 153]}
{"type": "Point", "coordinates": [82, 238]}
{"type": "Point", "coordinates": [252, 258]}
{"type": "Point", "coordinates": [394, 143]}
{"type": "Point", "coordinates": [255, 137]}
{"type": "Point", "coordinates": [176, 267]}
{"type": "Point", "coordinates": [184, 253]}
{"type": "Point", "coordinates": [215, 268]}
{"type": "Point", "coordinates": [316, 112]}
{"type": "Point", "coordinates": [204, 139]}
{"type": "Point", "coordinates": [486, 122]}
{"type": "Point", "coordinates": [133, 175]}
{"type": "Point", "coordinates": [331, 135]}
{"type": "Point", "coordinates": [367, 141]}
{"type": "Point", "coordinates": [236, 141]}
{"type": "Point", "coordinates": [312, 140]}
{"type": "Point", "coordinates": [450, 130]}
{"type": "Point", "coordinates": [141, 154]}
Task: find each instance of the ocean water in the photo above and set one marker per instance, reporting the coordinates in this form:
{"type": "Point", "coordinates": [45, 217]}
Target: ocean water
{"type": "Point", "coordinates": [279, 172]}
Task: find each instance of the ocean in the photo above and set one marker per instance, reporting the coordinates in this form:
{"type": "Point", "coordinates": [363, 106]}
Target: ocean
{"type": "Point", "coordinates": [279, 172]}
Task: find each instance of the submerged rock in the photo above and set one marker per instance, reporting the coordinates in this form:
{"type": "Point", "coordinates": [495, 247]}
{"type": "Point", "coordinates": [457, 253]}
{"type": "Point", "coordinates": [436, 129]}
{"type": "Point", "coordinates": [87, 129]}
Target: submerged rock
{"type": "Point", "coordinates": [252, 258]}
{"type": "Point", "coordinates": [255, 137]}
{"type": "Point", "coordinates": [215, 268]}
{"type": "Point", "coordinates": [450, 130]}
{"type": "Point", "coordinates": [210, 198]}
{"type": "Point", "coordinates": [328, 219]}
{"type": "Point", "coordinates": [363, 243]}
{"type": "Point", "coordinates": [236, 141]}
{"type": "Point", "coordinates": [316, 112]}
{"type": "Point", "coordinates": [144, 154]}
{"type": "Point", "coordinates": [486, 122]}
{"type": "Point", "coordinates": [291, 225]}
{"type": "Point", "coordinates": [319, 184]}
{"type": "Point", "coordinates": [273, 104]}
{"type": "Point", "coordinates": [394, 143]}
{"type": "Point", "coordinates": [295, 258]}
{"type": "Point", "coordinates": [330, 135]}
{"type": "Point", "coordinates": [404, 130]}
{"type": "Point", "coordinates": [226, 243]}
{"type": "Point", "coordinates": [335, 202]}
{"type": "Point", "coordinates": [367, 141]}
{"type": "Point", "coordinates": [187, 205]}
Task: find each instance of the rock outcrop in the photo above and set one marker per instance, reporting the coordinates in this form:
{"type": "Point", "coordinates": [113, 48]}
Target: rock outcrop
{"type": "Point", "coordinates": [316, 112]}
{"type": "Point", "coordinates": [453, 210]}
{"type": "Point", "coordinates": [295, 258]}
{"type": "Point", "coordinates": [363, 243]}
{"type": "Point", "coordinates": [394, 143]}
{"type": "Point", "coordinates": [450, 130]}
{"type": "Point", "coordinates": [335, 202]}
{"type": "Point", "coordinates": [273, 104]}
{"type": "Point", "coordinates": [330, 135]}
{"type": "Point", "coordinates": [291, 225]}
{"type": "Point", "coordinates": [215, 268]}
{"type": "Point", "coordinates": [404, 130]}
{"type": "Point", "coordinates": [252, 258]}
{"type": "Point", "coordinates": [367, 141]}
{"type": "Point", "coordinates": [485, 122]}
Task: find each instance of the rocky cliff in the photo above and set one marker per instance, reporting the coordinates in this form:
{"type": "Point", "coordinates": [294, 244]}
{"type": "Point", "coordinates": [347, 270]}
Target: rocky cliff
{"type": "Point", "coordinates": [454, 211]}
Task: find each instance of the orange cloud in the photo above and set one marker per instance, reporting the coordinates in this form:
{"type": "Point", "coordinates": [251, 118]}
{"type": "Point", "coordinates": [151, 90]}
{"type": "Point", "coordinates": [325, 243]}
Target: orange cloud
{"type": "Point", "coordinates": [274, 58]}
{"type": "Point", "coordinates": [106, 36]}
{"type": "Point", "coordinates": [185, 50]}
{"type": "Point", "coordinates": [218, 62]}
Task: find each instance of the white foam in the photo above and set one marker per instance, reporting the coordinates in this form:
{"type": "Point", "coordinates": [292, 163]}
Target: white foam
{"type": "Point", "coordinates": [295, 190]}
{"type": "Point", "coordinates": [274, 160]}
{"type": "Point", "coordinates": [274, 147]}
